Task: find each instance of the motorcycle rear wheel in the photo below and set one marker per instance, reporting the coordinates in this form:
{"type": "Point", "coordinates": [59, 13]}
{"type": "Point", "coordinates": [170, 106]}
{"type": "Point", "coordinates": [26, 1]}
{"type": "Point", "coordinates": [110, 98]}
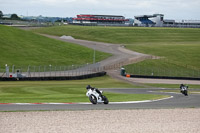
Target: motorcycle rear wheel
{"type": "Point", "coordinates": [93, 99]}
{"type": "Point", "coordinates": [186, 93]}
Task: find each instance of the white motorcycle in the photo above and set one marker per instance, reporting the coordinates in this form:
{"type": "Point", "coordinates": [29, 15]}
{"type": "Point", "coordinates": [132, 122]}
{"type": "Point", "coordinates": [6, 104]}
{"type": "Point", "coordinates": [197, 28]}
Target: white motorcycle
{"type": "Point", "coordinates": [95, 97]}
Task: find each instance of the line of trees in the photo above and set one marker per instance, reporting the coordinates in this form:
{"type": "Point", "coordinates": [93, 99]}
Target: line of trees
{"type": "Point", "coordinates": [12, 17]}
{"type": "Point", "coordinates": [1, 14]}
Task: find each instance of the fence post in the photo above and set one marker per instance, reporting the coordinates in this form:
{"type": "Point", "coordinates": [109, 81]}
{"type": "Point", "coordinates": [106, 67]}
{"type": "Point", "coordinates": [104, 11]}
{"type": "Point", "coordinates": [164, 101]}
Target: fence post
{"type": "Point", "coordinates": [44, 71]}
{"type": "Point", "coordinates": [72, 70]}
{"type": "Point", "coordinates": [39, 71]}
{"type": "Point", "coordinates": [34, 71]}
{"type": "Point", "coordinates": [28, 72]}
{"type": "Point", "coordinates": [50, 69]}
{"type": "Point", "coordinates": [60, 70]}
{"type": "Point", "coordinates": [68, 69]}
{"type": "Point", "coordinates": [13, 69]}
{"type": "Point", "coordinates": [75, 70]}
{"type": "Point", "coordinates": [64, 70]}
{"type": "Point", "coordinates": [55, 71]}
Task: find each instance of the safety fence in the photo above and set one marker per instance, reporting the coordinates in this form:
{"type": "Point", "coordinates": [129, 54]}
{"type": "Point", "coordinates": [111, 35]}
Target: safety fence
{"type": "Point", "coordinates": [88, 69]}
{"type": "Point", "coordinates": [162, 72]}
{"type": "Point", "coordinates": [63, 71]}
{"type": "Point", "coordinates": [49, 71]}
{"type": "Point", "coordinates": [120, 64]}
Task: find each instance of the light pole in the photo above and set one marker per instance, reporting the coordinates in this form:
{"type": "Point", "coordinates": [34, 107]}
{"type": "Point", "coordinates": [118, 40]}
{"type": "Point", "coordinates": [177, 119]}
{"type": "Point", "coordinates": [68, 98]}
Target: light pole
{"type": "Point", "coordinates": [94, 55]}
{"type": "Point", "coordinates": [7, 70]}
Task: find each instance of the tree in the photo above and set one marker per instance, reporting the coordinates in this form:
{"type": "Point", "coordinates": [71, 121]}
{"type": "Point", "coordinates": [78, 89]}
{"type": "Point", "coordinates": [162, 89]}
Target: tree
{"type": "Point", "coordinates": [1, 14]}
{"type": "Point", "coordinates": [14, 17]}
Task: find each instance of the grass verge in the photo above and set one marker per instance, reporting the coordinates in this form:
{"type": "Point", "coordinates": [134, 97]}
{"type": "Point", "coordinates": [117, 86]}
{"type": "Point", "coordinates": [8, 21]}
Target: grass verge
{"type": "Point", "coordinates": [65, 91]}
{"type": "Point", "coordinates": [24, 48]}
{"type": "Point", "coordinates": [179, 47]}
{"type": "Point", "coordinates": [173, 86]}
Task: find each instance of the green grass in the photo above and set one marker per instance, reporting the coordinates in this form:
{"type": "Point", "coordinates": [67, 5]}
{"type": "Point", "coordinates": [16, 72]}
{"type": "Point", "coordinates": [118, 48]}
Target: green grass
{"type": "Point", "coordinates": [179, 47]}
{"type": "Point", "coordinates": [174, 86]}
{"type": "Point", "coordinates": [125, 35]}
{"type": "Point", "coordinates": [65, 91]}
{"type": "Point", "coordinates": [23, 48]}
{"type": "Point", "coordinates": [163, 67]}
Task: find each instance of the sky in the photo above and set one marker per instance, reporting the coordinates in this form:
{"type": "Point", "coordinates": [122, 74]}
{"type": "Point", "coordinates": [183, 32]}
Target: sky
{"type": "Point", "coordinates": [172, 9]}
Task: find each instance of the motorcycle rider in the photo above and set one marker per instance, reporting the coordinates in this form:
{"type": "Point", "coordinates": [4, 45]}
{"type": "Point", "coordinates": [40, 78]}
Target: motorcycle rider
{"type": "Point", "coordinates": [89, 87]}
{"type": "Point", "coordinates": [184, 89]}
{"type": "Point", "coordinates": [181, 86]}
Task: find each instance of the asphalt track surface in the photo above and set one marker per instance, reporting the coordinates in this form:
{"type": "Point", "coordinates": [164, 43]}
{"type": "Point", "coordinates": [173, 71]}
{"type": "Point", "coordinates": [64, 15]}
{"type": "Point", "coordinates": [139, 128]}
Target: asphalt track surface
{"type": "Point", "coordinates": [177, 100]}
{"type": "Point", "coordinates": [119, 53]}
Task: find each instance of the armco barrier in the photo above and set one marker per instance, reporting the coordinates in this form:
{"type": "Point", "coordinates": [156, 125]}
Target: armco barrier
{"type": "Point", "coordinates": [99, 74]}
{"type": "Point", "coordinates": [161, 77]}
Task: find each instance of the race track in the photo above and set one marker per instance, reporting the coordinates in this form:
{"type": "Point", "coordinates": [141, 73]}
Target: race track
{"type": "Point", "coordinates": [120, 54]}
{"type": "Point", "coordinates": [176, 101]}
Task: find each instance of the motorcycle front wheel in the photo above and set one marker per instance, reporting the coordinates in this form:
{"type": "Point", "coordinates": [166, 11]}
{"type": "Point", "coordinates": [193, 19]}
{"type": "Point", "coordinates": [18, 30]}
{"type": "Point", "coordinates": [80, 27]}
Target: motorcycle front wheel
{"type": "Point", "coordinates": [93, 99]}
{"type": "Point", "coordinates": [105, 99]}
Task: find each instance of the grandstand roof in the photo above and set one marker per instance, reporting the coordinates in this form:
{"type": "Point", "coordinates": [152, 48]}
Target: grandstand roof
{"type": "Point", "coordinates": [148, 16]}
{"type": "Point", "coordinates": [101, 15]}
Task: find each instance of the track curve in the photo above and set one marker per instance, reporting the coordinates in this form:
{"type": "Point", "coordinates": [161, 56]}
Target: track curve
{"type": "Point", "coordinates": [119, 54]}
{"type": "Point", "coordinates": [178, 101]}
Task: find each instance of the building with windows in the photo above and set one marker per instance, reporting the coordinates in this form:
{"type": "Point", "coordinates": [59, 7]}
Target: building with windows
{"type": "Point", "coordinates": [182, 23]}
{"type": "Point", "coordinates": [157, 20]}
{"type": "Point", "coordinates": [110, 20]}
{"type": "Point", "coordinates": [149, 20]}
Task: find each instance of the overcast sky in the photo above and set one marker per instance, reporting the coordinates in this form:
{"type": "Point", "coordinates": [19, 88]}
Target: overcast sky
{"type": "Point", "coordinates": [172, 9]}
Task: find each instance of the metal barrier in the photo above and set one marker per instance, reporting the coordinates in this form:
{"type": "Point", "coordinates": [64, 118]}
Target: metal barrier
{"type": "Point", "coordinates": [79, 70]}
{"type": "Point", "coordinates": [139, 70]}
{"type": "Point", "coordinates": [49, 71]}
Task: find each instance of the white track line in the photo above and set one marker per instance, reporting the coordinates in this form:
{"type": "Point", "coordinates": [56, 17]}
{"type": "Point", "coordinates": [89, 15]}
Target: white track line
{"type": "Point", "coordinates": [165, 92]}
{"type": "Point", "coordinates": [128, 102]}
{"type": "Point", "coordinates": [145, 101]}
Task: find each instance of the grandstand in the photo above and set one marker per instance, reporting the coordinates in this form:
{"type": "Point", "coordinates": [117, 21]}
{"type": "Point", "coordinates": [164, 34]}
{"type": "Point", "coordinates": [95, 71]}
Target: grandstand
{"type": "Point", "coordinates": [88, 19]}
{"type": "Point", "coordinates": [149, 20]}
{"type": "Point", "coordinates": [157, 20]}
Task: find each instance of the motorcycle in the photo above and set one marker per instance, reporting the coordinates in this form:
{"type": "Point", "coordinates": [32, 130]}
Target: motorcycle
{"type": "Point", "coordinates": [184, 90]}
{"type": "Point", "coordinates": [95, 97]}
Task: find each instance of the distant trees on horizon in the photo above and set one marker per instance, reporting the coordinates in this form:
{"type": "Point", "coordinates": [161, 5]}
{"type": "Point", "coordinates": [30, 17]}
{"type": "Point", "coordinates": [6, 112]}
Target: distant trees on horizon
{"type": "Point", "coordinates": [1, 14]}
{"type": "Point", "coordinates": [12, 17]}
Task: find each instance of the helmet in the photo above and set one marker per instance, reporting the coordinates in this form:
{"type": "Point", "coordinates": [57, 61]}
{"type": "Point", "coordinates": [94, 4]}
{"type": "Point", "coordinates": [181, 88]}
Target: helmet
{"type": "Point", "coordinates": [88, 87]}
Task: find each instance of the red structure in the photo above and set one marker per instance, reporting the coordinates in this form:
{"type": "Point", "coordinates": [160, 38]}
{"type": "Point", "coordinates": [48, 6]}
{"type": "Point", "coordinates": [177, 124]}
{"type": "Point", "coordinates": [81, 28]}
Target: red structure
{"type": "Point", "coordinates": [99, 19]}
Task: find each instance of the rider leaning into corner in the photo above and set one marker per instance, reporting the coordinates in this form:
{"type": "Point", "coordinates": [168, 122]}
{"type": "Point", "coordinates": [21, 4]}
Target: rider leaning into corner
{"type": "Point", "coordinates": [89, 87]}
{"type": "Point", "coordinates": [182, 85]}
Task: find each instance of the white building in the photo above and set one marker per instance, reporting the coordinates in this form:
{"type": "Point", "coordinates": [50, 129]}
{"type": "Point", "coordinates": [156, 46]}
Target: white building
{"type": "Point", "coordinates": [155, 20]}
